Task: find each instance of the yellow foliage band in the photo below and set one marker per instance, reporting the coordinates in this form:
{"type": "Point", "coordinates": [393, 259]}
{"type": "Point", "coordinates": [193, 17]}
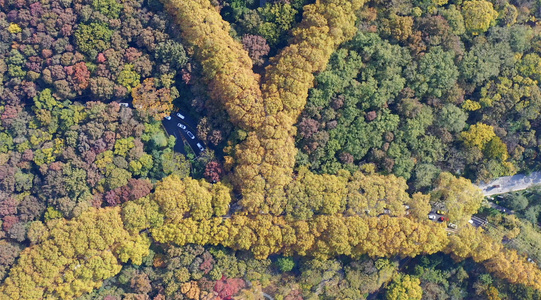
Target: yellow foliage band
{"type": "Point", "coordinates": [265, 160]}
{"type": "Point", "coordinates": [226, 65]}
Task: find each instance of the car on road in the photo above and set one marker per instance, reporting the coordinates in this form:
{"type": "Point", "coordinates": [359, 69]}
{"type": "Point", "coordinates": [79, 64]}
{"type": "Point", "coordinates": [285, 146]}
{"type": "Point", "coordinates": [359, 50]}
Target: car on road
{"type": "Point", "coordinates": [493, 187]}
{"type": "Point", "coordinates": [440, 212]}
{"type": "Point", "coordinates": [452, 225]}
{"type": "Point", "coordinates": [470, 221]}
{"type": "Point", "coordinates": [180, 116]}
{"type": "Point", "coordinates": [168, 117]}
{"type": "Point", "coordinates": [182, 126]}
{"type": "Point", "coordinates": [201, 148]}
{"type": "Point", "coordinates": [190, 134]}
{"type": "Point", "coordinates": [432, 217]}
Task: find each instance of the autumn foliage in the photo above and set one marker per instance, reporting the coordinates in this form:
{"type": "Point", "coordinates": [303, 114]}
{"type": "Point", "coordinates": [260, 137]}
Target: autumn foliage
{"type": "Point", "coordinates": [283, 212]}
{"type": "Point", "coordinates": [227, 66]}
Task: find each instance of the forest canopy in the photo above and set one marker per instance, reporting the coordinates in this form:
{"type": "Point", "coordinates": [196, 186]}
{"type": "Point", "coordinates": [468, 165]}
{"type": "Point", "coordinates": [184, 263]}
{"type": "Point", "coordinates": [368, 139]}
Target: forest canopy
{"type": "Point", "coordinates": [340, 148]}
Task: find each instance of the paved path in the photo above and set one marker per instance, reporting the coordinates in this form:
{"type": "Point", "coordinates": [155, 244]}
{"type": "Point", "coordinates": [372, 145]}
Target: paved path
{"type": "Point", "coordinates": [267, 296]}
{"type": "Point", "coordinates": [172, 129]}
{"type": "Point", "coordinates": [513, 183]}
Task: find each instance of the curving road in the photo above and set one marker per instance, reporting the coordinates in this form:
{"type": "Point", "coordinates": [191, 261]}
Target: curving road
{"type": "Point", "coordinates": [513, 183]}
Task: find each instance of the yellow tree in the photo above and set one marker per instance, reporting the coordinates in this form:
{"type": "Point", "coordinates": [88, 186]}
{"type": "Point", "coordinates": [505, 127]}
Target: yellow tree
{"type": "Point", "coordinates": [404, 287]}
{"type": "Point", "coordinates": [460, 197]}
{"type": "Point", "coordinates": [478, 135]}
{"type": "Point", "coordinates": [226, 65]}
{"type": "Point", "coordinates": [479, 15]}
{"type": "Point", "coordinates": [74, 257]}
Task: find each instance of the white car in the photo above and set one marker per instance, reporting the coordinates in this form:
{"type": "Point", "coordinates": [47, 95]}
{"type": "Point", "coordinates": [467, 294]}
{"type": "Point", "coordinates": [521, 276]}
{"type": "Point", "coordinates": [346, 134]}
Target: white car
{"type": "Point", "coordinates": [451, 225]}
{"type": "Point", "coordinates": [168, 117]}
{"type": "Point", "coordinates": [190, 134]}
{"type": "Point", "coordinates": [182, 126]}
{"type": "Point", "coordinates": [201, 148]}
{"type": "Point", "coordinates": [432, 217]}
{"type": "Point", "coordinates": [180, 116]}
{"type": "Point", "coordinates": [470, 221]}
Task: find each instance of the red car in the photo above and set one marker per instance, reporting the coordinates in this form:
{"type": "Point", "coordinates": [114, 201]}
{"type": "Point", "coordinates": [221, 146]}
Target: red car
{"type": "Point", "coordinates": [441, 219]}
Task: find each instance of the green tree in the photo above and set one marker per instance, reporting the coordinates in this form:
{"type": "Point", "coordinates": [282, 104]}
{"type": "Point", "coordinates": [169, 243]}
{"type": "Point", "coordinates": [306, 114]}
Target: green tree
{"type": "Point", "coordinates": [172, 53]}
{"type": "Point", "coordinates": [451, 118]}
{"type": "Point", "coordinates": [278, 19]}
{"type": "Point", "coordinates": [437, 72]}
{"type": "Point", "coordinates": [93, 38]}
{"type": "Point", "coordinates": [117, 177]}
{"type": "Point", "coordinates": [110, 8]}
{"type": "Point", "coordinates": [285, 264]}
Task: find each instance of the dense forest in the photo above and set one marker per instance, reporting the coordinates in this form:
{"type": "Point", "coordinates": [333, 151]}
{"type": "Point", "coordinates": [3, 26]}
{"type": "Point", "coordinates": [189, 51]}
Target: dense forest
{"type": "Point", "coordinates": [332, 129]}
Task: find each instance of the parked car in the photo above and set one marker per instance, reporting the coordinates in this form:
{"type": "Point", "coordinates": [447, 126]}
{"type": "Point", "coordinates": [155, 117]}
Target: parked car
{"type": "Point", "coordinates": [190, 134]}
{"type": "Point", "coordinates": [201, 148]}
{"type": "Point", "coordinates": [182, 126]}
{"type": "Point", "coordinates": [180, 116]}
{"type": "Point", "coordinates": [168, 117]}
{"type": "Point", "coordinates": [452, 225]}
{"type": "Point", "coordinates": [470, 221]}
{"type": "Point", "coordinates": [440, 212]}
{"type": "Point", "coordinates": [443, 219]}
{"type": "Point", "coordinates": [432, 217]}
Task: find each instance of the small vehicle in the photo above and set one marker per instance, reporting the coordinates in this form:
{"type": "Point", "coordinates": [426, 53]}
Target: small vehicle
{"type": "Point", "coordinates": [493, 187]}
{"type": "Point", "coordinates": [180, 116]}
{"type": "Point", "coordinates": [387, 211]}
{"type": "Point", "coordinates": [443, 219]}
{"type": "Point", "coordinates": [190, 134]}
{"type": "Point", "coordinates": [470, 221]}
{"type": "Point", "coordinates": [201, 148]}
{"type": "Point", "coordinates": [432, 217]}
{"type": "Point", "coordinates": [406, 207]}
{"type": "Point", "coordinates": [452, 225]}
{"type": "Point", "coordinates": [182, 126]}
{"type": "Point", "coordinates": [124, 104]}
{"type": "Point", "coordinates": [440, 212]}
{"type": "Point", "coordinates": [168, 117]}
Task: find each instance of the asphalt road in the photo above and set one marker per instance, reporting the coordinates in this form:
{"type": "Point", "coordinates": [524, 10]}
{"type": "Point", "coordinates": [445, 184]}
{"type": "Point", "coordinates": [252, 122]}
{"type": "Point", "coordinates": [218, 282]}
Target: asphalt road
{"type": "Point", "coordinates": [513, 183]}
{"type": "Point", "coordinates": [182, 134]}
{"type": "Point", "coordinates": [477, 222]}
